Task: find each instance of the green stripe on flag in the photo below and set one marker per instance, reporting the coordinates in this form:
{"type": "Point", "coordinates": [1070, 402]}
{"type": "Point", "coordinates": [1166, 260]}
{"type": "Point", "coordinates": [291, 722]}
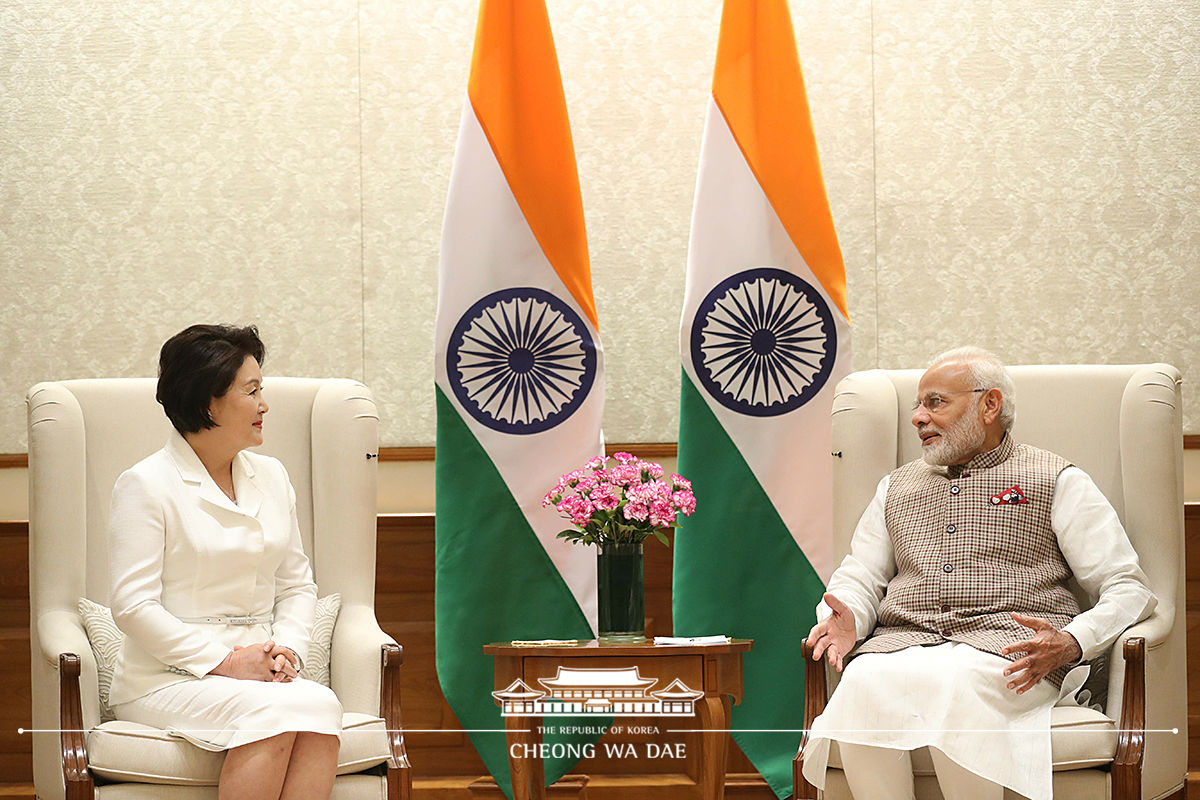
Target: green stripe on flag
{"type": "Point", "coordinates": [739, 572]}
{"type": "Point", "coordinates": [494, 583]}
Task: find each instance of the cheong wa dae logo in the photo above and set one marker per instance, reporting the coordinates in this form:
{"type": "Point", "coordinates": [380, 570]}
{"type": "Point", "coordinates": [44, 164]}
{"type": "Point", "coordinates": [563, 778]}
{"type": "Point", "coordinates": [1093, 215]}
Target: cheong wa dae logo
{"type": "Point", "coordinates": [575, 692]}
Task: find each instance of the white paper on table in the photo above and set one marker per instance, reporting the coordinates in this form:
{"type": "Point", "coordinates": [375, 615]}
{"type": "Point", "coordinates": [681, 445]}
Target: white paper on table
{"type": "Point", "coordinates": [678, 640]}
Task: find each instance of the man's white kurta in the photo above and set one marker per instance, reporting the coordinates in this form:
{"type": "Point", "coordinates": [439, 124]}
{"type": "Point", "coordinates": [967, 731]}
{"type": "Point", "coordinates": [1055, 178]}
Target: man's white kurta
{"type": "Point", "coordinates": [954, 697]}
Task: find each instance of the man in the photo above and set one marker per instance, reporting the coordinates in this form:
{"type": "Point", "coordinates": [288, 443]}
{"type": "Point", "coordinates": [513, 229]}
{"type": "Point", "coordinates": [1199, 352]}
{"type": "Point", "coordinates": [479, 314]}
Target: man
{"type": "Point", "coordinates": [955, 593]}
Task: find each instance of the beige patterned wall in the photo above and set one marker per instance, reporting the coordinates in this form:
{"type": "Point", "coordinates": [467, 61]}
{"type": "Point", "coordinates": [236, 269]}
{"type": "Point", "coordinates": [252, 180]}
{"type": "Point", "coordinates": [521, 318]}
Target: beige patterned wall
{"type": "Point", "coordinates": [169, 163]}
{"type": "Point", "coordinates": [1038, 181]}
{"type": "Point", "coordinates": [1024, 175]}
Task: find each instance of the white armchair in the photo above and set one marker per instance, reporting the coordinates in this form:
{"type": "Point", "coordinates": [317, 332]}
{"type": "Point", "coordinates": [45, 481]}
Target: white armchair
{"type": "Point", "coordinates": [1121, 425]}
{"type": "Point", "coordinates": [82, 435]}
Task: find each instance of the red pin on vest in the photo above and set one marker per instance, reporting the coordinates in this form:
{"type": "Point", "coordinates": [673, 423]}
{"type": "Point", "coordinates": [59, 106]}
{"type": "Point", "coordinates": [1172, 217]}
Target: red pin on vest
{"type": "Point", "coordinates": [1010, 497]}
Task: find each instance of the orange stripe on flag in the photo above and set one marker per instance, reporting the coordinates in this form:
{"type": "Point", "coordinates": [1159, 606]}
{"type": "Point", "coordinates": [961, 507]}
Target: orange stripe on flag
{"type": "Point", "coordinates": [759, 88]}
{"type": "Point", "coordinates": [516, 92]}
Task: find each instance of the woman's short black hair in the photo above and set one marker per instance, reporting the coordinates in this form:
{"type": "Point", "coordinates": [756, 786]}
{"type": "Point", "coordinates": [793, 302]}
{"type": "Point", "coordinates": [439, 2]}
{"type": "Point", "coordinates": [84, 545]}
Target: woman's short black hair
{"type": "Point", "coordinates": [198, 364]}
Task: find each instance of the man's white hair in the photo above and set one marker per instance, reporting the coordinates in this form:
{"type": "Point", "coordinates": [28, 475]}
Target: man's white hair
{"type": "Point", "coordinates": [987, 372]}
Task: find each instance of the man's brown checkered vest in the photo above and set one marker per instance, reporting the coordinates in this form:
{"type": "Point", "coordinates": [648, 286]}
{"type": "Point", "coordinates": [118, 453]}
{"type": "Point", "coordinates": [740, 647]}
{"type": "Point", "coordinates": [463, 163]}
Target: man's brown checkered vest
{"type": "Point", "coordinates": [970, 549]}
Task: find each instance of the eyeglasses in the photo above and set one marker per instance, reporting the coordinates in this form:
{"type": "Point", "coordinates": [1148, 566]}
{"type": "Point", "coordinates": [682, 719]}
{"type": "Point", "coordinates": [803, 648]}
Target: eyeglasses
{"type": "Point", "coordinates": [937, 401]}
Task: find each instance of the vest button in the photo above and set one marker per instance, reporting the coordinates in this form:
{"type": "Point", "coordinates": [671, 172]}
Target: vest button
{"type": "Point", "coordinates": [945, 609]}
{"type": "Point", "coordinates": [955, 489]}
{"type": "Point", "coordinates": [951, 528]}
{"type": "Point", "coordinates": [947, 568]}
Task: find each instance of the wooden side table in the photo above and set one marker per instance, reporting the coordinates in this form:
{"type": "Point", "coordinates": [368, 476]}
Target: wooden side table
{"type": "Point", "coordinates": [713, 671]}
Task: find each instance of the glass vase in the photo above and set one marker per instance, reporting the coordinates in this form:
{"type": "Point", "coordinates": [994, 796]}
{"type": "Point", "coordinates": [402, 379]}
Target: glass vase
{"type": "Point", "coordinates": [621, 580]}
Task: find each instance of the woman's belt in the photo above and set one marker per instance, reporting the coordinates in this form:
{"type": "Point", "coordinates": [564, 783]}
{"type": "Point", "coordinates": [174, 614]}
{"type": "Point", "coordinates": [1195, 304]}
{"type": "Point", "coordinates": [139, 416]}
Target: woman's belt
{"type": "Point", "coordinates": [229, 620]}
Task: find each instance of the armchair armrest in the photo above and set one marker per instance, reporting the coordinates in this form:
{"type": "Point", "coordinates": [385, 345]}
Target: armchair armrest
{"type": "Point", "coordinates": [355, 669]}
{"type": "Point", "coordinates": [63, 656]}
{"type": "Point", "coordinates": [76, 777]}
{"type": "Point", "coordinates": [399, 773]}
{"type": "Point", "coordinates": [814, 703]}
{"type": "Point", "coordinates": [1152, 632]}
{"type": "Point", "coordinates": [365, 675]}
{"type": "Point", "coordinates": [1154, 629]}
{"type": "Point", "coordinates": [1131, 736]}
{"type": "Point", "coordinates": [1156, 763]}
{"type": "Point", "coordinates": [61, 631]}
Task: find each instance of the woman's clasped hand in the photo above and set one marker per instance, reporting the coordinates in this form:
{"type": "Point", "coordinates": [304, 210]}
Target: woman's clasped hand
{"type": "Point", "coordinates": [259, 662]}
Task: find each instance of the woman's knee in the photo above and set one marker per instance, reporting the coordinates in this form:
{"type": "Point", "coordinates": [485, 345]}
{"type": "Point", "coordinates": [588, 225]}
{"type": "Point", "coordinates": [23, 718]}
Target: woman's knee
{"type": "Point", "coordinates": [280, 742]}
{"type": "Point", "coordinates": [277, 746]}
{"type": "Point", "coordinates": [312, 739]}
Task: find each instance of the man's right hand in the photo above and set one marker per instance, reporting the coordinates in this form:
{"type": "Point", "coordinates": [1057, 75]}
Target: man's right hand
{"type": "Point", "coordinates": [834, 636]}
{"type": "Point", "coordinates": [246, 663]}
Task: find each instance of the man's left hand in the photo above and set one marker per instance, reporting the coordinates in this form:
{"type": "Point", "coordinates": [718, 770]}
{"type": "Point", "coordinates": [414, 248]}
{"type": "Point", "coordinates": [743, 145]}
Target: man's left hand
{"type": "Point", "coordinates": [1046, 651]}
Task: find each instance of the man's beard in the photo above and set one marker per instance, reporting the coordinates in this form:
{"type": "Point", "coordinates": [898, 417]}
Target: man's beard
{"type": "Point", "coordinates": [957, 441]}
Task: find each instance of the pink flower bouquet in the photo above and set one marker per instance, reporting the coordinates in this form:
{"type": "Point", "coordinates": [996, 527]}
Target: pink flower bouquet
{"type": "Point", "coordinates": [624, 501]}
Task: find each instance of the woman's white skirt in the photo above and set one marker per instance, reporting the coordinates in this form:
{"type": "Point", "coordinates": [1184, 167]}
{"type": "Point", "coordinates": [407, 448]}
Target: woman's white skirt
{"type": "Point", "coordinates": [219, 713]}
{"type": "Point", "coordinates": [949, 696]}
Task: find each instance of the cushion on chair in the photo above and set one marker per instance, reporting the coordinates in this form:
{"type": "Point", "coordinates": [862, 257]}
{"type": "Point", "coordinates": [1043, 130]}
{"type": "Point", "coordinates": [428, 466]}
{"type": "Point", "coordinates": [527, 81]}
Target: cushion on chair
{"type": "Point", "coordinates": [127, 751]}
{"type": "Point", "coordinates": [106, 639]}
{"type": "Point", "coordinates": [1094, 691]}
{"type": "Point", "coordinates": [316, 666]}
{"type": "Point", "coordinates": [1079, 738]}
{"type": "Point", "coordinates": [364, 743]}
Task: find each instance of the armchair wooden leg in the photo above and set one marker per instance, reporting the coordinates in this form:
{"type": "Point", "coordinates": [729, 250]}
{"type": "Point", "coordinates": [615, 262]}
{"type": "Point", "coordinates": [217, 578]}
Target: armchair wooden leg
{"type": "Point", "coordinates": [1131, 739]}
{"type": "Point", "coordinates": [76, 776]}
{"type": "Point", "coordinates": [399, 772]}
{"type": "Point", "coordinates": [814, 704]}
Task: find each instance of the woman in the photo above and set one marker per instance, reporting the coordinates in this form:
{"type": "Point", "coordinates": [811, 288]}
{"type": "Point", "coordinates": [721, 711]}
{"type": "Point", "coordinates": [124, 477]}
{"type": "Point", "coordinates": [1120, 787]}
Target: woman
{"type": "Point", "coordinates": [211, 585]}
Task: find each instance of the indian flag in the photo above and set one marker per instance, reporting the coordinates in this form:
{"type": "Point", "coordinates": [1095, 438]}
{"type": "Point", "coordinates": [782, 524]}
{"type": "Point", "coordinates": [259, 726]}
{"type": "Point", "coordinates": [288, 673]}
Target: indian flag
{"type": "Point", "coordinates": [519, 372]}
{"type": "Point", "coordinates": [764, 339]}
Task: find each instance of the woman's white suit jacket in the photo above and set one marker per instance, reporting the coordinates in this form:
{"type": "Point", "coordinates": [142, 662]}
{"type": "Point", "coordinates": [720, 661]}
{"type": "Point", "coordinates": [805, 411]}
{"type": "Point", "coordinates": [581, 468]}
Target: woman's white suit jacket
{"type": "Point", "coordinates": [179, 548]}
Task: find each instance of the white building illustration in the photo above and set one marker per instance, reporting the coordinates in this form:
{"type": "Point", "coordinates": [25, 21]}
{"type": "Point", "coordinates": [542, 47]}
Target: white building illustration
{"type": "Point", "coordinates": [577, 692]}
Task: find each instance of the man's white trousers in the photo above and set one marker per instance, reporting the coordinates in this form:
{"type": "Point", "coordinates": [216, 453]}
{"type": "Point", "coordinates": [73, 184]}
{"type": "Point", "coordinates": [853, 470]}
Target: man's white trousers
{"type": "Point", "coordinates": [881, 773]}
